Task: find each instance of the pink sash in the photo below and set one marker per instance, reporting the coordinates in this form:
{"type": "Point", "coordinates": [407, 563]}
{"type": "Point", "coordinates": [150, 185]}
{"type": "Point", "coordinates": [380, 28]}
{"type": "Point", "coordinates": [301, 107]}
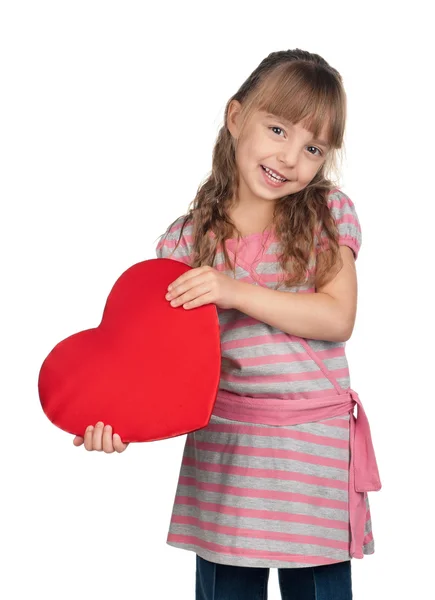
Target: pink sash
{"type": "Point", "coordinates": [363, 469]}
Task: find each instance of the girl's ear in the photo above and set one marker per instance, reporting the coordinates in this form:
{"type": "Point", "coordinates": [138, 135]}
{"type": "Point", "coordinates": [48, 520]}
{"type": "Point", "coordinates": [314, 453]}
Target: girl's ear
{"type": "Point", "coordinates": [233, 118]}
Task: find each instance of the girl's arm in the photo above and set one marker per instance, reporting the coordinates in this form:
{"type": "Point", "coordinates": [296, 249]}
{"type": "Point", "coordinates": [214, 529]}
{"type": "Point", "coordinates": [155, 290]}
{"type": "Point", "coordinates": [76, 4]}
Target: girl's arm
{"type": "Point", "coordinates": [327, 314]}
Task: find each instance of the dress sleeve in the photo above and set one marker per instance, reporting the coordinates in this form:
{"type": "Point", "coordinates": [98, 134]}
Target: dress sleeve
{"type": "Point", "coordinates": [166, 247]}
{"type": "Point", "coordinates": [349, 229]}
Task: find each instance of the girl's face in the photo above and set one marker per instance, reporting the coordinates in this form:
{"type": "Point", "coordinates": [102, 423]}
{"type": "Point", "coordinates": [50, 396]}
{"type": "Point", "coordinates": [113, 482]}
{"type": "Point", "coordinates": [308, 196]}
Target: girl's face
{"type": "Point", "coordinates": [268, 141]}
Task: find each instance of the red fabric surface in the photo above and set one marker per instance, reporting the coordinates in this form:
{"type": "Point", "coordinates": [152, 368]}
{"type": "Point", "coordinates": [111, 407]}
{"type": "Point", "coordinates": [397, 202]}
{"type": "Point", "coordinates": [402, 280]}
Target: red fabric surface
{"type": "Point", "coordinates": [148, 369]}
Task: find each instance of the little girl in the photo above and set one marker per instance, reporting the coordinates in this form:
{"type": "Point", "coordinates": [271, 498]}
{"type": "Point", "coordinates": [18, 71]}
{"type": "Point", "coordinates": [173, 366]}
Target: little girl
{"type": "Point", "coordinates": [280, 475]}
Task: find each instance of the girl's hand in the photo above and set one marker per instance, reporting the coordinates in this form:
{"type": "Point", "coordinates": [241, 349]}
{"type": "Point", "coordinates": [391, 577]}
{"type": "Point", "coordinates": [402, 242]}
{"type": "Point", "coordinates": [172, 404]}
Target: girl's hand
{"type": "Point", "coordinates": [203, 285]}
{"type": "Point", "coordinates": [100, 438]}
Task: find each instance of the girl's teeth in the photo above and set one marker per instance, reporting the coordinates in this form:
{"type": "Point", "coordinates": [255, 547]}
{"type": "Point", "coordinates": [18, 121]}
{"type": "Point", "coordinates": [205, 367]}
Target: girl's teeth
{"type": "Point", "coordinates": [269, 174]}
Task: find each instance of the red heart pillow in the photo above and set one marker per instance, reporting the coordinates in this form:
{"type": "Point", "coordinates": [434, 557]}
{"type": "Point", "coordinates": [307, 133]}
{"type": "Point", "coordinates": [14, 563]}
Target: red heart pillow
{"type": "Point", "coordinates": [150, 370]}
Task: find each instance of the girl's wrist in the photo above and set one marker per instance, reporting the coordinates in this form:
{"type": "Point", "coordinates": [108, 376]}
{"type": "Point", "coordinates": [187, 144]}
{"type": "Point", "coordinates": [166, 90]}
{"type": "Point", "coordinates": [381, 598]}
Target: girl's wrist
{"type": "Point", "coordinates": [240, 290]}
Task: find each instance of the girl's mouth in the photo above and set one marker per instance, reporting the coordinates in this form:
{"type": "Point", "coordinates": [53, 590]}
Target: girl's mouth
{"type": "Point", "coordinates": [271, 180]}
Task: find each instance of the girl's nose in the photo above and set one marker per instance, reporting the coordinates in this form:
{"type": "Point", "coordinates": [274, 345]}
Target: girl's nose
{"type": "Point", "coordinates": [288, 158]}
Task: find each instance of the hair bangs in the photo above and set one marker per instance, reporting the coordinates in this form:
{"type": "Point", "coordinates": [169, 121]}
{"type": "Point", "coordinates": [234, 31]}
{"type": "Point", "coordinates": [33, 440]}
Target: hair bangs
{"type": "Point", "coordinates": [300, 92]}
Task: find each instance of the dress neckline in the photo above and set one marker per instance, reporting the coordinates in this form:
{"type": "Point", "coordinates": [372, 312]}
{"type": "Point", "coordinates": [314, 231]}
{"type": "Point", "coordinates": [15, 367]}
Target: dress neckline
{"type": "Point", "coordinates": [266, 233]}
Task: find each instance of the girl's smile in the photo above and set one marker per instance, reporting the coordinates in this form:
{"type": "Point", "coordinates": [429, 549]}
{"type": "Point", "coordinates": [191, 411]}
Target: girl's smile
{"type": "Point", "coordinates": [270, 180]}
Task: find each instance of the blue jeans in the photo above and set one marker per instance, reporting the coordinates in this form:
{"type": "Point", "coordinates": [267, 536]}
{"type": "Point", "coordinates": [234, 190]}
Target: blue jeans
{"type": "Point", "coordinates": [226, 582]}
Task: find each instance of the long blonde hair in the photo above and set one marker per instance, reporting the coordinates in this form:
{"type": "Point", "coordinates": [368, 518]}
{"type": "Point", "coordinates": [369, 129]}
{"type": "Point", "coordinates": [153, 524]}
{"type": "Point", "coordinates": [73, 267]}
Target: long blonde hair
{"type": "Point", "coordinates": [300, 87]}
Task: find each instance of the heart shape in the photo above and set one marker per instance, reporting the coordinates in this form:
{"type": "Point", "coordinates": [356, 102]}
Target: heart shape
{"type": "Point", "coordinates": [150, 370]}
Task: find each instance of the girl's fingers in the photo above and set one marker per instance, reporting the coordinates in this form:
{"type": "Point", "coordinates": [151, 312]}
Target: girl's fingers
{"type": "Point", "coordinates": [187, 277]}
{"type": "Point", "coordinates": [118, 444]}
{"type": "Point", "coordinates": [199, 301]}
{"type": "Point", "coordinates": [97, 438]}
{"type": "Point", "coordinates": [100, 438]}
{"type": "Point", "coordinates": [192, 294]}
{"type": "Point", "coordinates": [194, 281]}
{"type": "Point", "coordinates": [107, 440]}
{"type": "Point", "coordinates": [88, 437]}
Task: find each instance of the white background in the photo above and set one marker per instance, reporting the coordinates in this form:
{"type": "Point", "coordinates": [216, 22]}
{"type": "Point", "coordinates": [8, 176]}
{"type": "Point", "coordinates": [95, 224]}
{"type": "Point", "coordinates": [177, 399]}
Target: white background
{"type": "Point", "coordinates": [109, 113]}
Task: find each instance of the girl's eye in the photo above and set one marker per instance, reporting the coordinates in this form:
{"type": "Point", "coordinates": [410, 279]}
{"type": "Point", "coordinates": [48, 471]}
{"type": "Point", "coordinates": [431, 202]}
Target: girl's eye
{"type": "Point", "coordinates": [318, 150]}
{"type": "Point", "coordinates": [276, 127]}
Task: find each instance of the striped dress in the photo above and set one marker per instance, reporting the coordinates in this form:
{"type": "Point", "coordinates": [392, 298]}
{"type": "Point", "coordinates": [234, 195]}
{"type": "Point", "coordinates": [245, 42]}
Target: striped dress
{"type": "Point", "coordinates": [256, 495]}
